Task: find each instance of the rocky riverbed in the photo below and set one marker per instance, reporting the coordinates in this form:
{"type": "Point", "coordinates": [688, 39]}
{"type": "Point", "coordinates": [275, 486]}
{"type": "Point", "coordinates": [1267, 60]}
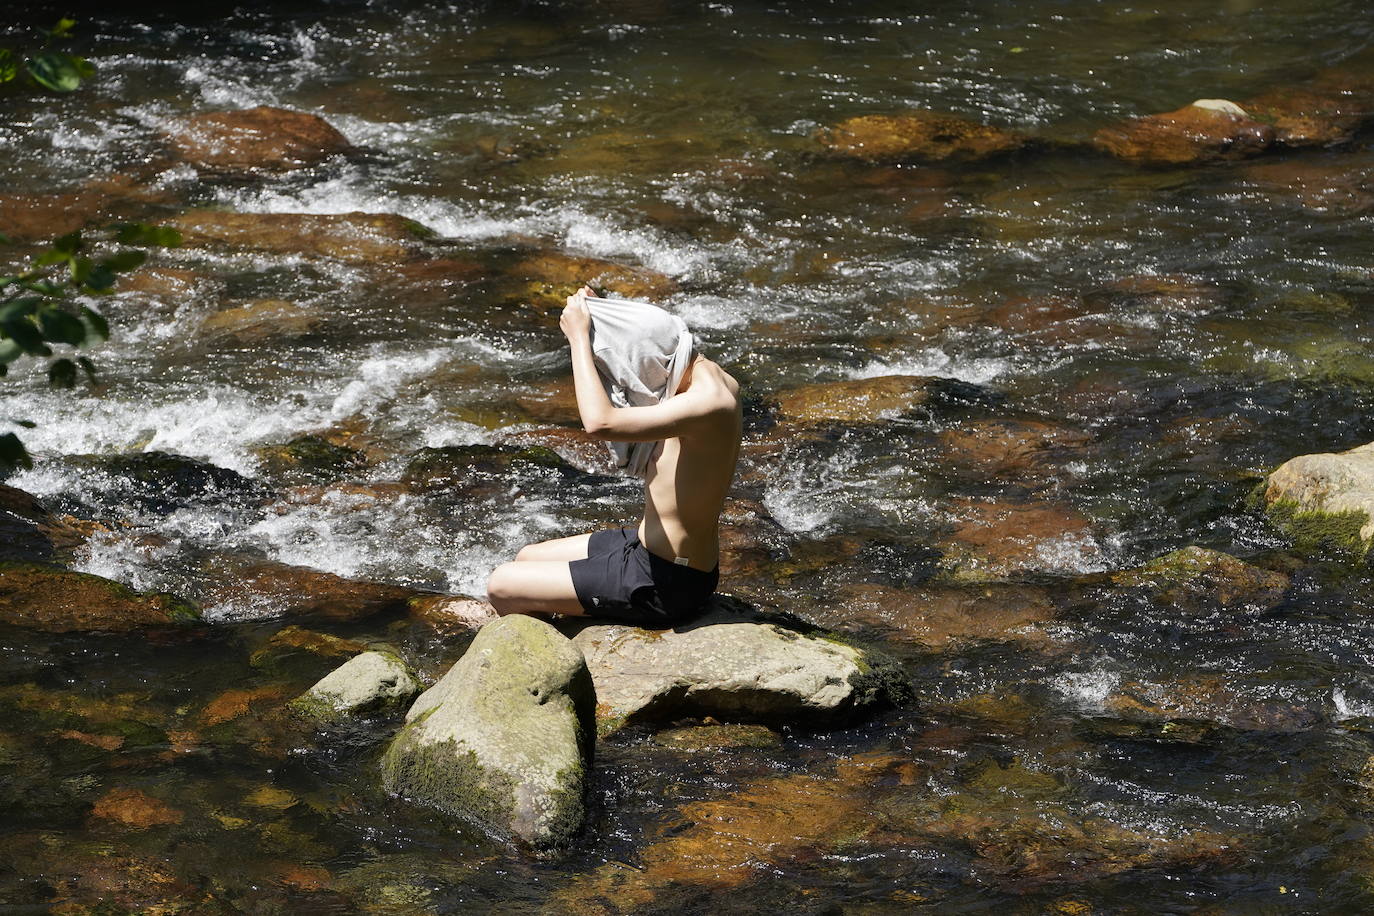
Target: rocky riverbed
{"type": "Point", "coordinates": [1047, 566]}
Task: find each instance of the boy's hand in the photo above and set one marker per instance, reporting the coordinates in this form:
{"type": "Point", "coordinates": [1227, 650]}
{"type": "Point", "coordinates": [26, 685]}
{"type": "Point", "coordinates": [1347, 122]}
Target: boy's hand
{"type": "Point", "coordinates": [576, 321]}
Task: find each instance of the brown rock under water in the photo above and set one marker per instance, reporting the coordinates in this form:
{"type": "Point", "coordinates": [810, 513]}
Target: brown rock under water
{"type": "Point", "coordinates": [359, 238]}
{"type": "Point", "coordinates": [261, 320]}
{"type": "Point", "coordinates": [1191, 135]}
{"type": "Point", "coordinates": [47, 597]}
{"type": "Point", "coordinates": [32, 217]}
{"type": "Point", "coordinates": [939, 617]}
{"type": "Point", "coordinates": [1001, 448]}
{"type": "Point", "coordinates": [135, 809]}
{"type": "Point", "coordinates": [299, 590]}
{"type": "Point", "coordinates": [262, 138]}
{"type": "Point", "coordinates": [552, 276]}
{"type": "Point", "coordinates": [868, 400]}
{"type": "Point", "coordinates": [918, 136]}
{"type": "Point", "coordinates": [993, 540]}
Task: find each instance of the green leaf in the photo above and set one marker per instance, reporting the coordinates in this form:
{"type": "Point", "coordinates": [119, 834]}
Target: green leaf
{"type": "Point", "coordinates": [81, 269]}
{"type": "Point", "coordinates": [27, 424]}
{"type": "Point", "coordinates": [61, 327]}
{"type": "Point", "coordinates": [50, 257]}
{"type": "Point", "coordinates": [9, 351]}
{"type": "Point", "coordinates": [63, 28]}
{"type": "Point", "coordinates": [19, 308]}
{"type": "Point", "coordinates": [44, 288]}
{"type": "Point", "coordinates": [69, 243]}
{"type": "Point", "coordinates": [9, 65]}
{"type": "Point", "coordinates": [62, 373]}
{"type": "Point", "coordinates": [13, 454]}
{"type": "Point", "coordinates": [25, 333]}
{"type": "Point", "coordinates": [87, 367]}
{"type": "Point", "coordinates": [100, 281]}
{"type": "Point", "coordinates": [144, 234]}
{"type": "Point", "coordinates": [99, 326]}
{"type": "Point", "coordinates": [59, 71]}
{"type": "Point", "coordinates": [125, 260]}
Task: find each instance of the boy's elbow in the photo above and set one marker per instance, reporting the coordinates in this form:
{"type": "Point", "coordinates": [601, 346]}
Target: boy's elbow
{"type": "Point", "coordinates": [599, 428]}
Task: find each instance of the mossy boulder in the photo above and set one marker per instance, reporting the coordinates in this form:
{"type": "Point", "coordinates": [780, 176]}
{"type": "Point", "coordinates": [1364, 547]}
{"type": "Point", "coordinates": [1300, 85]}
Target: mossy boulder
{"type": "Point", "coordinates": [734, 664]}
{"type": "Point", "coordinates": [374, 682]}
{"type": "Point", "coordinates": [918, 136]}
{"type": "Point", "coordinates": [1197, 579]}
{"type": "Point", "coordinates": [254, 139]}
{"type": "Point", "coordinates": [1325, 501]}
{"type": "Point", "coordinates": [47, 597]}
{"type": "Point", "coordinates": [504, 739]}
{"type": "Point", "coordinates": [309, 459]}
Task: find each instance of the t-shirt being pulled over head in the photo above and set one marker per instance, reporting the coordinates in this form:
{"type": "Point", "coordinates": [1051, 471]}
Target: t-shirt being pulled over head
{"type": "Point", "coordinates": [641, 353]}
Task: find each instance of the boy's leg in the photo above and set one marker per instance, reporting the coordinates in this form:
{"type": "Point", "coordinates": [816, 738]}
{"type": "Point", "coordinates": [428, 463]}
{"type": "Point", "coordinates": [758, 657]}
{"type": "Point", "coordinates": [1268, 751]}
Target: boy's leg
{"type": "Point", "coordinates": [533, 587]}
{"type": "Point", "coordinates": [564, 549]}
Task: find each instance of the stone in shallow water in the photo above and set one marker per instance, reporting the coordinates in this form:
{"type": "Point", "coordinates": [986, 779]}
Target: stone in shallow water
{"type": "Point", "coordinates": [715, 737]}
{"type": "Point", "coordinates": [939, 617]}
{"type": "Point", "coordinates": [358, 238]}
{"type": "Point", "coordinates": [135, 809]}
{"type": "Point", "coordinates": [504, 739]}
{"type": "Point", "coordinates": [299, 590]}
{"type": "Point", "coordinates": [1191, 135]}
{"type": "Point", "coordinates": [253, 139]}
{"type": "Point", "coordinates": [997, 540]}
{"type": "Point", "coordinates": [869, 400]}
{"type": "Point", "coordinates": [43, 596]}
{"type": "Point", "coordinates": [732, 663]}
{"type": "Point", "coordinates": [261, 321]}
{"type": "Point", "coordinates": [374, 682]}
{"type": "Point", "coordinates": [918, 136]}
{"type": "Point", "coordinates": [1196, 579]}
{"type": "Point", "coordinates": [1325, 500]}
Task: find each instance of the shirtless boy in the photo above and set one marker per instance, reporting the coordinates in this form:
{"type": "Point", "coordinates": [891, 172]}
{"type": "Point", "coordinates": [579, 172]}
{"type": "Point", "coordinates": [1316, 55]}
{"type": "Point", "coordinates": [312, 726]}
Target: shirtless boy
{"type": "Point", "coordinates": [662, 571]}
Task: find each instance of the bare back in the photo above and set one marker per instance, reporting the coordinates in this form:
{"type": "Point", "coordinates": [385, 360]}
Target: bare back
{"type": "Point", "coordinates": [686, 484]}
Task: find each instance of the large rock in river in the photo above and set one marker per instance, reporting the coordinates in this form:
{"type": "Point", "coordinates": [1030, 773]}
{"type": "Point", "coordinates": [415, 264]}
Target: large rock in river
{"type": "Point", "coordinates": [918, 136]}
{"type": "Point", "coordinates": [47, 597]}
{"type": "Point", "coordinates": [1207, 130]}
{"type": "Point", "coordinates": [871, 400]}
{"type": "Point", "coordinates": [359, 238]}
{"type": "Point", "coordinates": [731, 663]}
{"type": "Point", "coordinates": [504, 738]}
{"type": "Point", "coordinates": [262, 138]}
{"type": "Point", "coordinates": [1196, 579]}
{"type": "Point", "coordinates": [1325, 499]}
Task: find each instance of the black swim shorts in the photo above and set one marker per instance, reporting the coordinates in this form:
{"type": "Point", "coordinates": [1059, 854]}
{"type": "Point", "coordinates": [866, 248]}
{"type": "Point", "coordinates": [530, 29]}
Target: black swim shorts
{"type": "Point", "coordinates": [621, 580]}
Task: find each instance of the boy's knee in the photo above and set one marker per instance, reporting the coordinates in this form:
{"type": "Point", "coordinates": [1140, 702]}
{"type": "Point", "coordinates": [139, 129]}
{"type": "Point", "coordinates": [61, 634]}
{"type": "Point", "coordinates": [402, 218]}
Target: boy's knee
{"type": "Point", "coordinates": [498, 589]}
{"type": "Point", "coordinates": [528, 552]}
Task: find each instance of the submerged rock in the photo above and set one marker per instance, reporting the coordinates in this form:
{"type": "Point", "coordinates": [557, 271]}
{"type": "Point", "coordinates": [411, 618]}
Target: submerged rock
{"type": "Point", "coordinates": [1329, 111]}
{"type": "Point", "coordinates": [715, 737]}
{"type": "Point", "coordinates": [359, 238]}
{"type": "Point", "coordinates": [1201, 132]}
{"type": "Point", "coordinates": [1201, 700]}
{"type": "Point", "coordinates": [298, 641]}
{"type": "Point", "coordinates": [1325, 500]}
{"type": "Point", "coordinates": [26, 217]}
{"type": "Point", "coordinates": [135, 809]}
{"type": "Point", "coordinates": [22, 520]}
{"type": "Point", "coordinates": [309, 458]}
{"type": "Point", "coordinates": [377, 681]}
{"type": "Point", "coordinates": [870, 400]}
{"type": "Point", "coordinates": [733, 664]}
{"type": "Point", "coordinates": [1006, 448]}
{"type": "Point", "coordinates": [997, 540]}
{"type": "Point", "coordinates": [263, 138]}
{"type": "Point", "coordinates": [918, 136]}
{"type": "Point", "coordinates": [1197, 579]}
{"type": "Point", "coordinates": [552, 276]}
{"type": "Point", "coordinates": [43, 596]}
{"type": "Point", "coordinates": [504, 738]}
{"type": "Point", "coordinates": [936, 618]}
{"type": "Point", "coordinates": [161, 482]}
{"type": "Point", "coordinates": [261, 320]}
{"type": "Point", "coordinates": [300, 590]}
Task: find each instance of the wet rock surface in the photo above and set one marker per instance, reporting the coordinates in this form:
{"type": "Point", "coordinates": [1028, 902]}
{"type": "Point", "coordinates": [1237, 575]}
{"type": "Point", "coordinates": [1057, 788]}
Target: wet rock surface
{"type": "Point", "coordinates": [280, 588]}
{"type": "Point", "coordinates": [918, 136]}
{"type": "Point", "coordinates": [357, 238]}
{"type": "Point", "coordinates": [1325, 500]}
{"type": "Point", "coordinates": [504, 738]}
{"type": "Point", "coordinates": [731, 663]}
{"type": "Point", "coordinates": [374, 682]}
{"type": "Point", "coordinates": [1197, 579]}
{"type": "Point", "coordinates": [252, 139]}
{"type": "Point", "coordinates": [51, 598]}
{"type": "Point", "coordinates": [1208, 130]}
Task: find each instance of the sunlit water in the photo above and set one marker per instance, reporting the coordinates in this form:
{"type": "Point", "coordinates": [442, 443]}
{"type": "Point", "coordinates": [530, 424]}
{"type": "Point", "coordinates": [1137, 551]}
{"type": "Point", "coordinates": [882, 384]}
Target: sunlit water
{"type": "Point", "coordinates": [680, 138]}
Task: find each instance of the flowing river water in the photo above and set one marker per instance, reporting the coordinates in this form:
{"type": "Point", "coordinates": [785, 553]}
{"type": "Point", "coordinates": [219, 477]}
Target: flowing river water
{"type": "Point", "coordinates": [1129, 351]}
